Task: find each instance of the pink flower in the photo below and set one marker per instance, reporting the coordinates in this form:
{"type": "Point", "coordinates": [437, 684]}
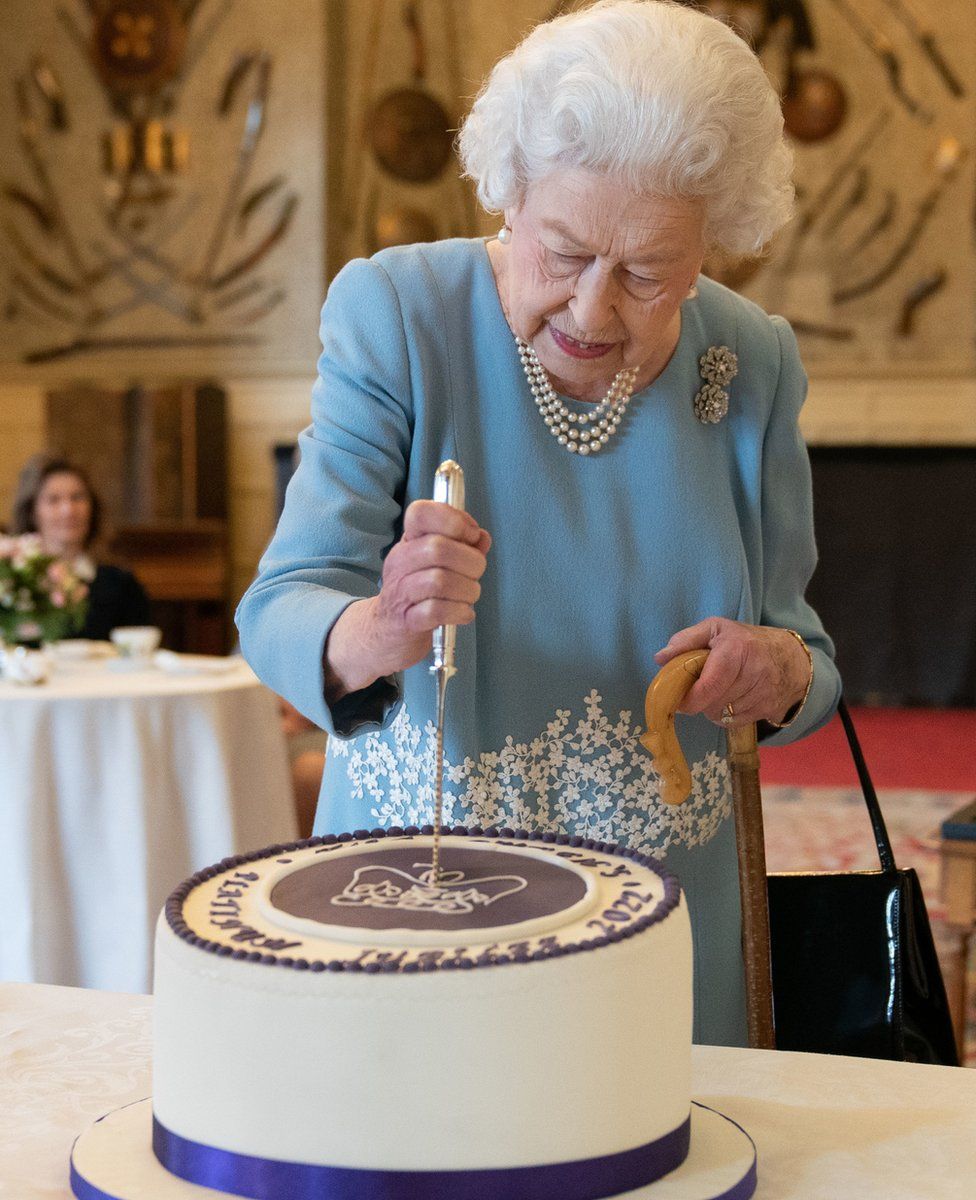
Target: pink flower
{"type": "Point", "coordinates": [58, 598]}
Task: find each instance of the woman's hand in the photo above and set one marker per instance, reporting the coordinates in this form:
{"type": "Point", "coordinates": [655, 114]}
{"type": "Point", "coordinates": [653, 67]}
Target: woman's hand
{"type": "Point", "coordinates": [759, 670]}
{"type": "Point", "coordinates": [430, 578]}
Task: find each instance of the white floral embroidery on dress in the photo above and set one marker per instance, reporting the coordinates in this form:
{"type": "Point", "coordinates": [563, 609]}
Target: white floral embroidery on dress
{"type": "Point", "coordinates": [589, 777]}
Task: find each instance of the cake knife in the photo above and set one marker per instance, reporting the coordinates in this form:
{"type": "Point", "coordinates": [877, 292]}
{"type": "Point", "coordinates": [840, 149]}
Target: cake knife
{"type": "Point", "coordinates": [448, 489]}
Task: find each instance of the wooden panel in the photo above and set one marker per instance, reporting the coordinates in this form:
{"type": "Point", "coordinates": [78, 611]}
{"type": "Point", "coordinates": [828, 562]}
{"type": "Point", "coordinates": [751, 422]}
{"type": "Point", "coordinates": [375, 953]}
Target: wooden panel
{"type": "Point", "coordinates": [210, 460]}
{"type": "Point", "coordinates": [155, 478]}
{"type": "Point", "coordinates": [91, 426]}
{"type": "Point", "coordinates": [177, 562]}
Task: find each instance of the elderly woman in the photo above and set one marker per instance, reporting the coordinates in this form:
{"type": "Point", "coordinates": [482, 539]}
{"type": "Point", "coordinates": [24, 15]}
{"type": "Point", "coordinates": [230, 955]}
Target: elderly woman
{"type": "Point", "coordinates": [636, 482]}
{"type": "Point", "coordinates": [55, 499]}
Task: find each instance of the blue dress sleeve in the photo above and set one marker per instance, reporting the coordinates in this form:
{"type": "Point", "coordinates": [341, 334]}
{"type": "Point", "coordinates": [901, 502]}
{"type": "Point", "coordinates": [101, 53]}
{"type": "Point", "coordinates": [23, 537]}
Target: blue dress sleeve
{"type": "Point", "coordinates": [343, 506]}
{"type": "Point", "coordinates": [789, 550]}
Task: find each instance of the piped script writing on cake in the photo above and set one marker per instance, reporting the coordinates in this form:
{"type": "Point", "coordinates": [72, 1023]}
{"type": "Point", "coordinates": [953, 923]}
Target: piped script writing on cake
{"type": "Point", "coordinates": [368, 903]}
{"type": "Point", "coordinates": [453, 895]}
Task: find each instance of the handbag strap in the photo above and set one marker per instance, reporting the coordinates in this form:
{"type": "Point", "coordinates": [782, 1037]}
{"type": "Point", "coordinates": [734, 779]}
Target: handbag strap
{"type": "Point", "coordinates": [881, 839]}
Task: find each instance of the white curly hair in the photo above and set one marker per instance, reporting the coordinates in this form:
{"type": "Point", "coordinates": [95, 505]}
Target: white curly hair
{"type": "Point", "coordinates": [659, 96]}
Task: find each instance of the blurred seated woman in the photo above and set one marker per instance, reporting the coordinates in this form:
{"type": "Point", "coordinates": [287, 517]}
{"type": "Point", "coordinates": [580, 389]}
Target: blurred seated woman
{"type": "Point", "coordinates": [56, 500]}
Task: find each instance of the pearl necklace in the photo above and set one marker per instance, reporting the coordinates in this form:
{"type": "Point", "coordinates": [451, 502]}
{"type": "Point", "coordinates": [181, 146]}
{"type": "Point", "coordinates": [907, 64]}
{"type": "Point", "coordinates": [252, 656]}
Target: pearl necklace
{"type": "Point", "coordinates": [580, 433]}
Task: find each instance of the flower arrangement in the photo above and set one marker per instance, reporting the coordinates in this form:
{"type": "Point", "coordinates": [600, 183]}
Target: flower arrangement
{"type": "Point", "coordinates": [42, 597]}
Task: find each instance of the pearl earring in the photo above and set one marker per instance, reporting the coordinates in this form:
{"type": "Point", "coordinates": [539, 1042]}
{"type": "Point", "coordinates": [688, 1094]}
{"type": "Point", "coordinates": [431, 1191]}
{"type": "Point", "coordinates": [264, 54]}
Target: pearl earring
{"type": "Point", "coordinates": [692, 292]}
{"type": "Point", "coordinates": [505, 235]}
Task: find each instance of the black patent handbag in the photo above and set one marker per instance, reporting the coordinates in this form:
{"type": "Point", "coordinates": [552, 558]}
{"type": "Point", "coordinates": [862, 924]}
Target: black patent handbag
{"type": "Point", "coordinates": [854, 968]}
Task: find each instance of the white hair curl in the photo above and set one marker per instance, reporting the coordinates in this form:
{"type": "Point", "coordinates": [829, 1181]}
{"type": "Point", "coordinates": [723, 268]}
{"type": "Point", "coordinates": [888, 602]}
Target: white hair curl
{"type": "Point", "coordinates": [658, 96]}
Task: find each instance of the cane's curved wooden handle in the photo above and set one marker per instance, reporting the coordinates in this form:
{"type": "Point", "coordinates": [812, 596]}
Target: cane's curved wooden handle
{"type": "Point", "coordinates": [668, 688]}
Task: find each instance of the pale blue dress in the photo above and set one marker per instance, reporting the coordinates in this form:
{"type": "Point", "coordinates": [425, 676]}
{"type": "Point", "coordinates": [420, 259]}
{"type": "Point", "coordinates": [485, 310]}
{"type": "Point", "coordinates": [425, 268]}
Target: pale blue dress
{"type": "Point", "coordinates": [595, 563]}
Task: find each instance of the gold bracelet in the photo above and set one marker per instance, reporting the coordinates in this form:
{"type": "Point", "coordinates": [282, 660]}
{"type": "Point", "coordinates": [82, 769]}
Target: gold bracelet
{"type": "Point", "coordinates": [798, 708]}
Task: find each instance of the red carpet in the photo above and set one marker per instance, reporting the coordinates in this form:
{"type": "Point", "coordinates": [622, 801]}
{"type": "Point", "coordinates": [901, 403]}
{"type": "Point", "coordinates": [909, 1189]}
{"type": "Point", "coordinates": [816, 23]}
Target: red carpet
{"type": "Point", "coordinates": [926, 748]}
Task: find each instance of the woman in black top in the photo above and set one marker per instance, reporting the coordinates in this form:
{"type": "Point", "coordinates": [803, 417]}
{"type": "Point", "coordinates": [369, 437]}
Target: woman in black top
{"type": "Point", "coordinates": [55, 499]}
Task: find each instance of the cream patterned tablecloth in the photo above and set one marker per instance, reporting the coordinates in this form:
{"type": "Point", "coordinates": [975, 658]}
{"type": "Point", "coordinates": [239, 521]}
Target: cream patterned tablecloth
{"type": "Point", "coordinates": [114, 787]}
{"type": "Point", "coordinates": [826, 1128]}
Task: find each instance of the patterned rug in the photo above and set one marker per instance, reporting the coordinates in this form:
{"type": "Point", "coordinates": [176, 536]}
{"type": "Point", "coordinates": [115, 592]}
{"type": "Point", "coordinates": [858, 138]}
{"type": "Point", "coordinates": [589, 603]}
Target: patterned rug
{"type": "Point", "coordinates": [827, 829]}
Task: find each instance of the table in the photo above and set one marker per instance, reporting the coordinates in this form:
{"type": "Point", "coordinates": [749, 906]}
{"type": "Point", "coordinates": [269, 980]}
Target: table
{"type": "Point", "coordinates": [826, 1128]}
{"type": "Point", "coordinates": [114, 787]}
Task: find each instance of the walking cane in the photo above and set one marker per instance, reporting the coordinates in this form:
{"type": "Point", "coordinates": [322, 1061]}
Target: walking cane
{"type": "Point", "coordinates": [664, 697]}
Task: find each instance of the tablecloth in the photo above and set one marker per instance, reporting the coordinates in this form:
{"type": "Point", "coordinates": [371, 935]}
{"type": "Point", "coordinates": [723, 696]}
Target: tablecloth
{"type": "Point", "coordinates": [114, 787]}
{"type": "Point", "coordinates": [825, 1128]}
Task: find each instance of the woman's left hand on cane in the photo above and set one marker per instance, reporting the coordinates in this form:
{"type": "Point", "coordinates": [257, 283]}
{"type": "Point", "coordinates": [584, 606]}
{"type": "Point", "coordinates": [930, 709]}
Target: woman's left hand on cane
{"type": "Point", "coordinates": [758, 670]}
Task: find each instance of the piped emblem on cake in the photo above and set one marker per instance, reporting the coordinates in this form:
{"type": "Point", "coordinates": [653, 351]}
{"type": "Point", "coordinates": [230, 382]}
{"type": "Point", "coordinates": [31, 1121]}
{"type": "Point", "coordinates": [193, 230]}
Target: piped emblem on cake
{"type": "Point", "coordinates": [378, 886]}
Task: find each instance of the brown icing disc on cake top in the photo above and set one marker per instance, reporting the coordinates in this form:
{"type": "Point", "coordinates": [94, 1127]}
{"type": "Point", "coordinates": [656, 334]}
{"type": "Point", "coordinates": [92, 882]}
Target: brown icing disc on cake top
{"type": "Point", "coordinates": [391, 887]}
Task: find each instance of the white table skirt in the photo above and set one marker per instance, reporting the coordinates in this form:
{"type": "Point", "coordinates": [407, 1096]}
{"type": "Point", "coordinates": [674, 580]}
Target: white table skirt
{"type": "Point", "coordinates": [826, 1128]}
{"type": "Point", "coordinates": [114, 787]}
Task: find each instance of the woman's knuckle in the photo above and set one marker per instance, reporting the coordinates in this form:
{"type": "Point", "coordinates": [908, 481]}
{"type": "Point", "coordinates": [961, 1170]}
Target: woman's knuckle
{"type": "Point", "coordinates": [419, 615]}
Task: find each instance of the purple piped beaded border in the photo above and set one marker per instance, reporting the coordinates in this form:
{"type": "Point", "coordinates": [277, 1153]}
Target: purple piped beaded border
{"type": "Point", "coordinates": [668, 903]}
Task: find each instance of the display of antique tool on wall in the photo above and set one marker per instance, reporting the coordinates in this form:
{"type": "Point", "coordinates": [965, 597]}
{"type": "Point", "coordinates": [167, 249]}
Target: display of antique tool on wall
{"type": "Point", "coordinates": [949, 154]}
{"type": "Point", "coordinates": [49, 86]}
{"type": "Point", "coordinates": [856, 195]}
{"type": "Point", "coordinates": [87, 268]}
{"type": "Point", "coordinates": [926, 41]}
{"type": "Point", "coordinates": [409, 129]}
{"type": "Point", "coordinates": [814, 105]}
{"type": "Point", "coordinates": [407, 186]}
{"type": "Point", "coordinates": [137, 49]}
{"type": "Point", "coordinates": [878, 224]}
{"type": "Point", "coordinates": [882, 48]}
{"type": "Point", "coordinates": [920, 291]}
{"type": "Point", "coordinates": [812, 209]}
{"type": "Point", "coordinates": [814, 101]}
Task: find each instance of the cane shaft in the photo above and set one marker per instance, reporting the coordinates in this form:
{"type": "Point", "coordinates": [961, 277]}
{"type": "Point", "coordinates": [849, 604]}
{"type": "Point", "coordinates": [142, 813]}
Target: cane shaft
{"type": "Point", "coordinates": [753, 894]}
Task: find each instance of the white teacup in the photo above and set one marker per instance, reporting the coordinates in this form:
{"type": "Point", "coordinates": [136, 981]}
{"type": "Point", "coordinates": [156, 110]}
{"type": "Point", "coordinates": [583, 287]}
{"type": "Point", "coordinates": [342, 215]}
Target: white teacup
{"type": "Point", "coordinates": [136, 641]}
{"type": "Point", "coordinates": [23, 666]}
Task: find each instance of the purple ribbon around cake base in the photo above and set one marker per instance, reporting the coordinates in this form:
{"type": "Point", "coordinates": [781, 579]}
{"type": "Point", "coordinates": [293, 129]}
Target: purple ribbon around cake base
{"type": "Point", "coordinates": [273, 1179]}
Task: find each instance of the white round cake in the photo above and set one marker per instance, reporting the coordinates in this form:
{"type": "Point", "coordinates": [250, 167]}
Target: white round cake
{"type": "Point", "coordinates": [330, 1021]}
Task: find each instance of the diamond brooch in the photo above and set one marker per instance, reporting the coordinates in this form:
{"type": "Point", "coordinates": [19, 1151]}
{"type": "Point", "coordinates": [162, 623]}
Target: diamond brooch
{"type": "Point", "coordinates": [718, 367]}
